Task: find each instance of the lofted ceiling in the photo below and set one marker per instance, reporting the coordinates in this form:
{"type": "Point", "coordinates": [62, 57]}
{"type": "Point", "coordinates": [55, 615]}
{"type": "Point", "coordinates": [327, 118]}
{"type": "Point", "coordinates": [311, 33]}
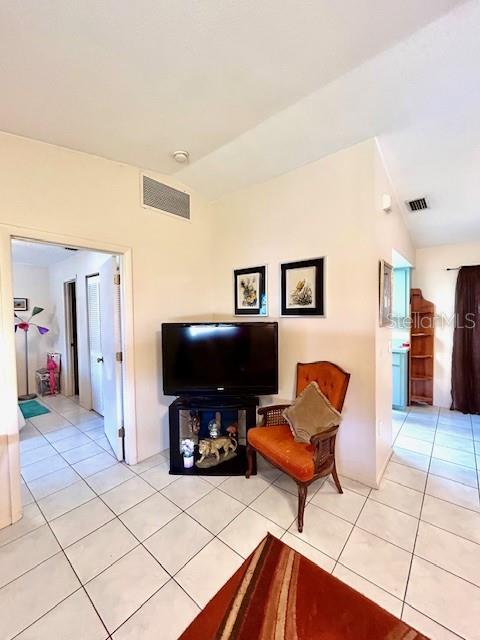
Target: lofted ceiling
{"type": "Point", "coordinates": [254, 89]}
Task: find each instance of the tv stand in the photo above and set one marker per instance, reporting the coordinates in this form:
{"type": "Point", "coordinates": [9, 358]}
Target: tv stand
{"type": "Point", "coordinates": [200, 410]}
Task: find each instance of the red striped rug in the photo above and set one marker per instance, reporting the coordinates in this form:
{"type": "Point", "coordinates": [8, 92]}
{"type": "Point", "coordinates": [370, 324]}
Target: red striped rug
{"type": "Point", "coordinates": [278, 594]}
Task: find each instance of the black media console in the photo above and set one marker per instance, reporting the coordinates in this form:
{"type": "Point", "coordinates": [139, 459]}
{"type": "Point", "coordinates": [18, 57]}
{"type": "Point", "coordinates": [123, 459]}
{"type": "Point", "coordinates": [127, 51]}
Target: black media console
{"type": "Point", "coordinates": [198, 412]}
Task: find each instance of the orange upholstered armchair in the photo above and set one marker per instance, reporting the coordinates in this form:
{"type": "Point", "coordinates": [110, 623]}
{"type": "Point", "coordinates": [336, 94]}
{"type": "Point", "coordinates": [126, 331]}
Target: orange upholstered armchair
{"type": "Point", "coordinates": [303, 462]}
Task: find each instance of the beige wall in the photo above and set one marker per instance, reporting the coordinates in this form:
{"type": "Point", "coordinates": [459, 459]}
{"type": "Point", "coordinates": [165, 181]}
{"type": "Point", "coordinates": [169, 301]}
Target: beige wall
{"type": "Point", "coordinates": [183, 271]}
{"type": "Point", "coordinates": [32, 283]}
{"type": "Point", "coordinates": [327, 208]}
{"type": "Point", "coordinates": [438, 286]}
{"type": "Point", "coordinates": [60, 191]}
{"type": "Point", "coordinates": [390, 235]}
{"type": "Point", "coordinates": [77, 267]}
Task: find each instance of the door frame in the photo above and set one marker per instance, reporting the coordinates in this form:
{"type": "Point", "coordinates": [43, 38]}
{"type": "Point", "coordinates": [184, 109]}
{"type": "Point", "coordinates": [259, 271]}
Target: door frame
{"type": "Point", "coordinates": [9, 434]}
{"type": "Point", "coordinates": [87, 310]}
{"type": "Point", "coordinates": [69, 380]}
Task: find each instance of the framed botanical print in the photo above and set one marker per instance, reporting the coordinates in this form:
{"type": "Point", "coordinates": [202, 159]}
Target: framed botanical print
{"type": "Point", "coordinates": [303, 288]}
{"type": "Point", "coordinates": [385, 293]}
{"type": "Point", "coordinates": [250, 291]}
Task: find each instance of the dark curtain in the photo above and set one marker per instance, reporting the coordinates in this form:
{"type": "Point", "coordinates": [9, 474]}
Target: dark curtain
{"type": "Point", "coordinates": [466, 342]}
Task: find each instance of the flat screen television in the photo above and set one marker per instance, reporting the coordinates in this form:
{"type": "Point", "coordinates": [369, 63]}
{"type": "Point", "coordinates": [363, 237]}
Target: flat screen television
{"type": "Point", "coordinates": [228, 358]}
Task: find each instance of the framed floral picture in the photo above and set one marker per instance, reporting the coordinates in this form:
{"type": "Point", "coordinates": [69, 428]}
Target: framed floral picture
{"type": "Point", "coordinates": [385, 293]}
{"type": "Point", "coordinates": [250, 291]}
{"type": "Point", "coordinates": [303, 288]}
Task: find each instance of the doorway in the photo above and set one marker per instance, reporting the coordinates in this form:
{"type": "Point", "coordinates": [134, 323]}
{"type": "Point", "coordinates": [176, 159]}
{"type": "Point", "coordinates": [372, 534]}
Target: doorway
{"type": "Point", "coordinates": [71, 338]}
{"type": "Point", "coordinates": [11, 421]}
{"type": "Point", "coordinates": [401, 276]}
{"type": "Point", "coordinates": [76, 296]}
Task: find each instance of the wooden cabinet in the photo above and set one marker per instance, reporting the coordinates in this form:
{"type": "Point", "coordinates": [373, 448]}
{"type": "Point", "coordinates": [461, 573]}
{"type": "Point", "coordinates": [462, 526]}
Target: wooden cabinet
{"type": "Point", "coordinates": [422, 337]}
{"type": "Point", "coordinates": [231, 410]}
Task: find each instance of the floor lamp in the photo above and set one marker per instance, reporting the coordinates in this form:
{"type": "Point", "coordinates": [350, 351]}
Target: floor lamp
{"type": "Point", "coordinates": [24, 325]}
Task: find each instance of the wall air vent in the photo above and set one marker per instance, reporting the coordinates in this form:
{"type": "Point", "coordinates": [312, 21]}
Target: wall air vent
{"type": "Point", "coordinates": [418, 204]}
{"type": "Point", "coordinates": [70, 249]}
{"type": "Point", "coordinates": [161, 197]}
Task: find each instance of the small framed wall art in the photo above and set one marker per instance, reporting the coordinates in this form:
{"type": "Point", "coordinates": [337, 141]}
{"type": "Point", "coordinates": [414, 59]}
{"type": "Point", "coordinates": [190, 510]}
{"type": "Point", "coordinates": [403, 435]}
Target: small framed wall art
{"type": "Point", "coordinates": [20, 304]}
{"type": "Point", "coordinates": [303, 288]}
{"type": "Point", "coordinates": [385, 293]}
{"type": "Point", "coordinates": [250, 291]}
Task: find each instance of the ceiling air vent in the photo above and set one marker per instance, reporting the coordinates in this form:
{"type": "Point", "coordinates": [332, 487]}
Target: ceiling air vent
{"type": "Point", "coordinates": [161, 197]}
{"type": "Point", "coordinates": [418, 204]}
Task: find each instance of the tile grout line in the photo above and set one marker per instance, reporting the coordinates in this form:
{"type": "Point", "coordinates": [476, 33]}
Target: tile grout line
{"type": "Point", "coordinates": [418, 527]}
{"type": "Point", "coordinates": [213, 487]}
{"type": "Point", "coordinates": [270, 484]}
{"type": "Point", "coordinates": [475, 456]}
{"type": "Point", "coordinates": [215, 536]}
{"type": "Point", "coordinates": [62, 550]}
{"type": "Point", "coordinates": [351, 531]}
{"type": "Point", "coordinates": [141, 543]}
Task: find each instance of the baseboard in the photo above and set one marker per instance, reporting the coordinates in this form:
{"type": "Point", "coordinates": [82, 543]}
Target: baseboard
{"type": "Point", "coordinates": [382, 470]}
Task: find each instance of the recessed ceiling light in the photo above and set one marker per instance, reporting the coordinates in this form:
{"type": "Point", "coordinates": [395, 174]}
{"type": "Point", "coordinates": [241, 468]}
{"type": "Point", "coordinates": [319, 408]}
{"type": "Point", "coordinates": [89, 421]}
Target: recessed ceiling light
{"type": "Point", "coordinates": [181, 157]}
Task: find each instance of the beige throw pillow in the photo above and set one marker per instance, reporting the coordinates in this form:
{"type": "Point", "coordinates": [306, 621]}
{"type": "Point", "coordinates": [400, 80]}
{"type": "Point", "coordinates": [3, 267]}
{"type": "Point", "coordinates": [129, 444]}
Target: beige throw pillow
{"type": "Point", "coordinates": [311, 413]}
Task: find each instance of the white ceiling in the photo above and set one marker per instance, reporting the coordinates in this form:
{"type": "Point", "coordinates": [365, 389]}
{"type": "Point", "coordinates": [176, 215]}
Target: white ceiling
{"type": "Point", "coordinates": [38, 254]}
{"type": "Point", "coordinates": [253, 89]}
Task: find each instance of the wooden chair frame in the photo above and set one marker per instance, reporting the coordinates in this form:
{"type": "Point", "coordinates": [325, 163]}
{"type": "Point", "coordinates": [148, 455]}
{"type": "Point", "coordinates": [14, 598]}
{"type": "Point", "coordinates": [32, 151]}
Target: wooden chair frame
{"type": "Point", "coordinates": [323, 443]}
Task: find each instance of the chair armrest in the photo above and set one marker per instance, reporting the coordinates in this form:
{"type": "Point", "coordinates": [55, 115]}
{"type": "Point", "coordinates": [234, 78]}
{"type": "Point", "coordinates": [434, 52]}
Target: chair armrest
{"type": "Point", "coordinates": [272, 414]}
{"type": "Point", "coordinates": [324, 447]}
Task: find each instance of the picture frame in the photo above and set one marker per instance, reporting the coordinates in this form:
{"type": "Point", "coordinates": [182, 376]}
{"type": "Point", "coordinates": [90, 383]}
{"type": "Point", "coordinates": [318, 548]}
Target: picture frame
{"type": "Point", "coordinates": [385, 293]}
{"type": "Point", "coordinates": [250, 291]}
{"type": "Point", "coordinates": [20, 304]}
{"type": "Point", "coordinates": [303, 287]}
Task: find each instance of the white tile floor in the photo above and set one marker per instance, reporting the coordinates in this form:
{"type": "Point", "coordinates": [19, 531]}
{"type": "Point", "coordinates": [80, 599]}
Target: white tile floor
{"type": "Point", "coordinates": [110, 551]}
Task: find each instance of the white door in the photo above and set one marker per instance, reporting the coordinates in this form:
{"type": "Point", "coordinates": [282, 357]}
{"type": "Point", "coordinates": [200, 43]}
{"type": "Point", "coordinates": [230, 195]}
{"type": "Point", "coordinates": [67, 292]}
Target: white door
{"type": "Point", "coordinates": [111, 340]}
{"type": "Point", "coordinates": [95, 342]}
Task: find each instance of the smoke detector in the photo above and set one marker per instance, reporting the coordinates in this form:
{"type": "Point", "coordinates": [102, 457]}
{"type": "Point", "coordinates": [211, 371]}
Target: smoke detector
{"type": "Point", "coordinates": [417, 205]}
{"type": "Point", "coordinates": [181, 157]}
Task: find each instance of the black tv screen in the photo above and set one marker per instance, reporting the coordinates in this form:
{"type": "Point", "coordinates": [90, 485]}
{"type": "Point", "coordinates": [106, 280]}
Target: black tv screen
{"type": "Point", "coordinates": [237, 358]}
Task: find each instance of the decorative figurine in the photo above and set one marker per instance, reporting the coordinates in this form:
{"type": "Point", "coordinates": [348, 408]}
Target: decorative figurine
{"type": "Point", "coordinates": [214, 426]}
{"type": "Point", "coordinates": [232, 431]}
{"type": "Point", "coordinates": [209, 449]}
{"type": "Point", "coordinates": [187, 448]}
{"type": "Point", "coordinates": [194, 422]}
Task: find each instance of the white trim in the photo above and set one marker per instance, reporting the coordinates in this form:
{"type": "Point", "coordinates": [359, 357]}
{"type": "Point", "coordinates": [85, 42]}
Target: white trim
{"type": "Point", "coordinates": [8, 376]}
{"type": "Point", "coordinates": [383, 468]}
{"type": "Point", "coordinates": [69, 376]}
{"type": "Point", "coordinates": [10, 496]}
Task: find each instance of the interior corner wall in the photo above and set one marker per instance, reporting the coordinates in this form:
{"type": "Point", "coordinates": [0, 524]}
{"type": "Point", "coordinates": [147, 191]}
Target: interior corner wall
{"type": "Point", "coordinates": [438, 286]}
{"type": "Point", "coordinates": [322, 209]}
{"type": "Point", "coordinates": [32, 282]}
{"type": "Point", "coordinates": [76, 267]}
{"type": "Point", "coordinates": [59, 191]}
{"type": "Point", "coordinates": [391, 234]}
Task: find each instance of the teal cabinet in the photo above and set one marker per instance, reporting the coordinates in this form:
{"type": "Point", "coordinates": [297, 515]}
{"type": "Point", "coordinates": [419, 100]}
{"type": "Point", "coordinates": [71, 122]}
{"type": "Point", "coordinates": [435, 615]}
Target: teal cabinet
{"type": "Point", "coordinates": [401, 293]}
{"type": "Point", "coordinates": [399, 379]}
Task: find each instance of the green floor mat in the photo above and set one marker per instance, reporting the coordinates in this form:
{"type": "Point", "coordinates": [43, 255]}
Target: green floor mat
{"type": "Point", "coordinates": [32, 408]}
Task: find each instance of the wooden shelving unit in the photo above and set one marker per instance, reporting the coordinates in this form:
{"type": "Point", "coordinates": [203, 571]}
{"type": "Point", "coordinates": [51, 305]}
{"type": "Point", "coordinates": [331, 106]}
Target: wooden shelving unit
{"type": "Point", "coordinates": [422, 340]}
